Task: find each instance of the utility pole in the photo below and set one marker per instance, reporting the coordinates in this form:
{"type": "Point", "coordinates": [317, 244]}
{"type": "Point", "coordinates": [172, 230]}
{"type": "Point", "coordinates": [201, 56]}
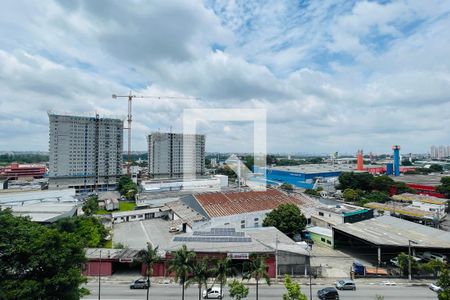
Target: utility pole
{"type": "Point", "coordinates": [130, 98]}
{"type": "Point", "coordinates": [276, 258]}
{"type": "Point", "coordinates": [99, 274]}
{"type": "Point", "coordinates": [410, 258]}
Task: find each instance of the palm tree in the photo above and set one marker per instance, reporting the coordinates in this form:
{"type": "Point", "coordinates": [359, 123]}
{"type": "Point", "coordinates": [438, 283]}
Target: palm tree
{"type": "Point", "coordinates": [181, 263]}
{"type": "Point", "coordinates": [148, 257]}
{"type": "Point", "coordinates": [256, 268]}
{"type": "Point", "coordinates": [200, 273]}
{"type": "Point", "coordinates": [222, 270]}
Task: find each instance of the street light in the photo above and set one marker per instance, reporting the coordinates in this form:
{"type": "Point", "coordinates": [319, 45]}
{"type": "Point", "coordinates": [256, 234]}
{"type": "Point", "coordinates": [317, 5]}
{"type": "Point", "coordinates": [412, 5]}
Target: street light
{"type": "Point", "coordinates": [309, 248]}
{"type": "Point", "coordinates": [409, 258]}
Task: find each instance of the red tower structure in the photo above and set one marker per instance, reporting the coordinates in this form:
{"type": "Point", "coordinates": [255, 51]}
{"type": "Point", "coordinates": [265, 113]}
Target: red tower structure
{"type": "Point", "coordinates": [360, 161]}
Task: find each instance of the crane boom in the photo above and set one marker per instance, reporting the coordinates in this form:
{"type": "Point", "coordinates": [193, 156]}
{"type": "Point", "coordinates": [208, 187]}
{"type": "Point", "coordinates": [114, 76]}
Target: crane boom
{"type": "Point", "coordinates": [130, 98]}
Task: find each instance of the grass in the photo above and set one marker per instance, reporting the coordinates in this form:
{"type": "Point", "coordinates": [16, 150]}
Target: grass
{"type": "Point", "coordinates": [123, 206]}
{"type": "Point", "coordinates": [108, 244]}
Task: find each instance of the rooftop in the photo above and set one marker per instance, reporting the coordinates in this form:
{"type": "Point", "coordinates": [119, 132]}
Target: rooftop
{"type": "Point", "coordinates": [316, 168]}
{"type": "Point", "coordinates": [421, 198]}
{"type": "Point", "coordinates": [185, 213]}
{"type": "Point", "coordinates": [221, 204]}
{"type": "Point", "coordinates": [390, 231]}
{"type": "Point", "coordinates": [18, 198]}
{"type": "Point", "coordinates": [430, 180]}
{"type": "Point", "coordinates": [401, 209]}
{"type": "Point", "coordinates": [229, 240]}
{"type": "Point", "coordinates": [44, 212]}
{"type": "Point", "coordinates": [320, 230]}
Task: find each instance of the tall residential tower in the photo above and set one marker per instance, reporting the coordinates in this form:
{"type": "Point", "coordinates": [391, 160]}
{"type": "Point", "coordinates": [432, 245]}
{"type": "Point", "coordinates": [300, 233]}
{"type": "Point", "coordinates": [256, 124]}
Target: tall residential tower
{"type": "Point", "coordinates": [85, 152]}
{"type": "Point", "coordinates": [170, 155]}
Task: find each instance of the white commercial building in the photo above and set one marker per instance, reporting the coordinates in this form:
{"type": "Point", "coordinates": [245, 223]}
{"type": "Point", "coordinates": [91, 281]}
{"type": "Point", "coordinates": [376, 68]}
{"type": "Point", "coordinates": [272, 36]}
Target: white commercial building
{"type": "Point", "coordinates": [212, 184]}
{"type": "Point", "coordinates": [172, 154]}
{"type": "Point", "coordinates": [85, 152]}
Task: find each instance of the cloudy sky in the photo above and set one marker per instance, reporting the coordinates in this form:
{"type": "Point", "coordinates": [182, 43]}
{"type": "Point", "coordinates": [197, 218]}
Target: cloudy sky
{"type": "Point", "coordinates": [332, 75]}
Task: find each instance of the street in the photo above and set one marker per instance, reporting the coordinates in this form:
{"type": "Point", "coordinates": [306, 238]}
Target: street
{"type": "Point", "coordinates": [170, 291]}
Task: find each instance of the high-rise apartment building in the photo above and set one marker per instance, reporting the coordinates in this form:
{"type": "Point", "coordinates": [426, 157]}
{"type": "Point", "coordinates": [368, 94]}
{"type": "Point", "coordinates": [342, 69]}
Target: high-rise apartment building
{"type": "Point", "coordinates": [85, 152]}
{"type": "Point", "coordinates": [174, 155]}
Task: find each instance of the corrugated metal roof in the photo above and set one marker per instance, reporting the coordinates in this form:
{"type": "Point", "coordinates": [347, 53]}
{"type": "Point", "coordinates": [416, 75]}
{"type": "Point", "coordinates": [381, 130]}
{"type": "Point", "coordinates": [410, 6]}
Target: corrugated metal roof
{"type": "Point", "coordinates": [232, 203]}
{"type": "Point", "coordinates": [390, 231]}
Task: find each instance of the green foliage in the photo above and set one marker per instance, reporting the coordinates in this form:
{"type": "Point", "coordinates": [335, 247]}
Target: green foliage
{"type": "Point", "coordinates": [432, 266]}
{"type": "Point", "coordinates": [444, 188]}
{"type": "Point", "coordinates": [351, 195]}
{"type": "Point", "coordinates": [287, 218]}
{"type": "Point", "coordinates": [382, 183]}
{"type": "Point", "coordinates": [226, 170]}
{"type": "Point", "coordinates": [403, 259]}
{"type": "Point", "coordinates": [199, 274]}
{"type": "Point", "coordinates": [181, 263]}
{"type": "Point", "coordinates": [148, 257]}
{"type": "Point", "coordinates": [312, 192]}
{"type": "Point", "coordinates": [379, 197]}
{"type": "Point", "coordinates": [222, 270]}
{"type": "Point", "coordinates": [436, 168]}
{"type": "Point", "coordinates": [406, 162]}
{"type": "Point", "coordinates": [237, 290]}
{"type": "Point", "coordinates": [293, 290]}
{"type": "Point", "coordinates": [256, 268]}
{"type": "Point", "coordinates": [90, 206]}
{"type": "Point", "coordinates": [89, 230]}
{"type": "Point", "coordinates": [39, 262]}
{"type": "Point", "coordinates": [23, 158]}
{"type": "Point", "coordinates": [287, 187]}
{"type": "Point", "coordinates": [355, 181]}
{"type": "Point", "coordinates": [127, 187]}
{"type": "Point", "coordinates": [444, 283]}
{"type": "Point", "coordinates": [402, 187]}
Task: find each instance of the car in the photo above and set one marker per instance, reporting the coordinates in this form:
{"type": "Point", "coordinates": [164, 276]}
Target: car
{"type": "Point", "coordinates": [328, 293]}
{"type": "Point", "coordinates": [435, 287]}
{"type": "Point", "coordinates": [140, 283]}
{"type": "Point", "coordinates": [345, 285]}
{"type": "Point", "coordinates": [212, 293]}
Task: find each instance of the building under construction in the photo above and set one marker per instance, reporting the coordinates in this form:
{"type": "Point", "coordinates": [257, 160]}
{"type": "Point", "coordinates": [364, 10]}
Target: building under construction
{"type": "Point", "coordinates": [85, 152]}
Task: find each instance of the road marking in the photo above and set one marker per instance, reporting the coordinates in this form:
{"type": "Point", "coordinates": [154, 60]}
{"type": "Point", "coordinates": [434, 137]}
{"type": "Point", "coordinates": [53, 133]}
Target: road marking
{"type": "Point", "coordinates": [146, 234]}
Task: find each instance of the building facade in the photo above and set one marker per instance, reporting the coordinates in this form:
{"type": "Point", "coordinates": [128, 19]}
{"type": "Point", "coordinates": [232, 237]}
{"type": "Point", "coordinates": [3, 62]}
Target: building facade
{"type": "Point", "coordinates": [172, 155]}
{"type": "Point", "coordinates": [85, 152]}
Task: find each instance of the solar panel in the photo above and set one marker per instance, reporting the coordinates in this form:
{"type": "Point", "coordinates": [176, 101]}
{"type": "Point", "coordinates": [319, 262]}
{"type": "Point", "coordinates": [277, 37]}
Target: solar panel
{"type": "Point", "coordinates": [219, 232]}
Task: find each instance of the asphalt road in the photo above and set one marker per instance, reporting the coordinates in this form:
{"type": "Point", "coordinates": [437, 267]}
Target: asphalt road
{"type": "Point", "coordinates": [169, 292]}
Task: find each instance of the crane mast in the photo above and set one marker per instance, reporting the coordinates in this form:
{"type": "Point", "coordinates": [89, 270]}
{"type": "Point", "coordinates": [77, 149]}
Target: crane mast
{"type": "Point", "coordinates": [130, 98]}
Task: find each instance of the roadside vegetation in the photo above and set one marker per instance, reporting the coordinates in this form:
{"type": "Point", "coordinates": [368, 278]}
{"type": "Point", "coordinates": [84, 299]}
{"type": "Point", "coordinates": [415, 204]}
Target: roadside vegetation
{"type": "Point", "coordinates": [40, 262]}
{"type": "Point", "coordinates": [362, 188]}
{"type": "Point", "coordinates": [287, 218]}
{"type": "Point", "coordinates": [127, 187]}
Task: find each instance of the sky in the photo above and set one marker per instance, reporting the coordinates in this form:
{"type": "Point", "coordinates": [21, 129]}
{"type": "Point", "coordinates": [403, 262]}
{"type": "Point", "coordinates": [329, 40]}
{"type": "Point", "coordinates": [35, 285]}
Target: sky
{"type": "Point", "coordinates": [332, 75]}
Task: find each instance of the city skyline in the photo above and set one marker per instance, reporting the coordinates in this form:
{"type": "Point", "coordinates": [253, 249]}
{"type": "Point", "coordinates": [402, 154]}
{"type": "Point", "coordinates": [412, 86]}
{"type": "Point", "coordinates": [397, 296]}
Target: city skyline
{"type": "Point", "coordinates": [332, 78]}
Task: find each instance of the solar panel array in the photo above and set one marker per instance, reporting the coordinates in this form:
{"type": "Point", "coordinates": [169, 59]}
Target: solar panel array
{"type": "Point", "coordinates": [212, 239]}
{"type": "Point", "coordinates": [219, 232]}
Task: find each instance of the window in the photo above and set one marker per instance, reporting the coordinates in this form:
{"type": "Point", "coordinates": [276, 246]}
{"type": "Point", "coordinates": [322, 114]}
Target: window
{"type": "Point", "coordinates": [256, 219]}
{"type": "Point", "coordinates": [322, 239]}
{"type": "Point", "coordinates": [328, 242]}
{"type": "Point", "coordinates": [320, 213]}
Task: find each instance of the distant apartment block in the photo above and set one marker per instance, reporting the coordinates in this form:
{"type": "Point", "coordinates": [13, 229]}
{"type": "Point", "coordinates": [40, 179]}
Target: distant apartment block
{"type": "Point", "coordinates": [172, 154]}
{"type": "Point", "coordinates": [440, 151]}
{"type": "Point", "coordinates": [85, 152]}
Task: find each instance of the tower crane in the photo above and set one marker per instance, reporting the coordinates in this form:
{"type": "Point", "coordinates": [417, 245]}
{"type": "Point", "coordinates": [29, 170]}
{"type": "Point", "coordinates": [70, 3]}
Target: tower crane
{"type": "Point", "coordinates": [130, 98]}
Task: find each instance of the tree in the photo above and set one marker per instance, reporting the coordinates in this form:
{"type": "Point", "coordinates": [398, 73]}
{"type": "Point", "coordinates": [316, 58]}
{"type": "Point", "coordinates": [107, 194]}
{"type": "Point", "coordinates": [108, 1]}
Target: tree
{"type": "Point", "coordinates": [89, 230]}
{"type": "Point", "coordinates": [293, 290]}
{"type": "Point", "coordinates": [148, 257]}
{"type": "Point", "coordinates": [199, 274]}
{"type": "Point", "coordinates": [90, 206]}
{"type": "Point", "coordinates": [256, 268]}
{"type": "Point", "coordinates": [350, 195]}
{"type": "Point", "coordinates": [377, 197]}
{"type": "Point", "coordinates": [287, 218]}
{"type": "Point", "coordinates": [181, 263]}
{"type": "Point", "coordinates": [403, 262]}
{"type": "Point", "coordinates": [287, 187]}
{"type": "Point", "coordinates": [433, 266]}
{"type": "Point", "coordinates": [436, 168]}
{"type": "Point", "coordinates": [127, 187]}
{"type": "Point", "coordinates": [39, 262]}
{"type": "Point", "coordinates": [238, 290]}
{"type": "Point", "coordinates": [222, 270]}
{"type": "Point", "coordinates": [382, 183]}
{"type": "Point", "coordinates": [312, 192]}
{"type": "Point", "coordinates": [444, 283]}
{"type": "Point", "coordinates": [351, 180]}
{"type": "Point", "coordinates": [444, 188]}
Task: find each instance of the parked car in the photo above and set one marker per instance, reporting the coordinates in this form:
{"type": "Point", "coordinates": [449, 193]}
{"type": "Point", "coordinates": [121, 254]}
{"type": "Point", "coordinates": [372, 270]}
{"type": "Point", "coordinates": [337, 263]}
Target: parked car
{"type": "Point", "coordinates": [436, 256]}
{"type": "Point", "coordinates": [345, 285]}
{"type": "Point", "coordinates": [435, 287]}
{"type": "Point", "coordinates": [212, 293]}
{"type": "Point", "coordinates": [328, 293]}
{"type": "Point", "coordinates": [140, 283]}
